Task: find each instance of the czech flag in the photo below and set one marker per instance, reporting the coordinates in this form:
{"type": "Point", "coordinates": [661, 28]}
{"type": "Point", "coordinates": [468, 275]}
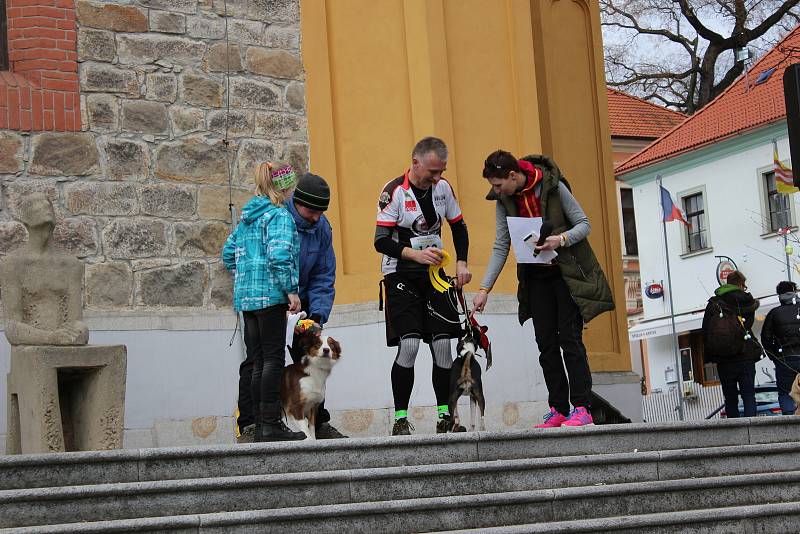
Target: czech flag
{"type": "Point", "coordinates": [671, 211]}
{"type": "Point", "coordinates": [784, 181]}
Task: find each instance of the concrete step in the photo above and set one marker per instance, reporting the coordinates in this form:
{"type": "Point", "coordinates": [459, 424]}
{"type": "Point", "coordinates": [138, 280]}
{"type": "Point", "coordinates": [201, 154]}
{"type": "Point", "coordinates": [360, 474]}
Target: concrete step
{"type": "Point", "coordinates": [761, 518]}
{"type": "Point", "coordinates": [44, 506]}
{"type": "Point", "coordinates": [474, 511]}
{"type": "Point", "coordinates": [67, 469]}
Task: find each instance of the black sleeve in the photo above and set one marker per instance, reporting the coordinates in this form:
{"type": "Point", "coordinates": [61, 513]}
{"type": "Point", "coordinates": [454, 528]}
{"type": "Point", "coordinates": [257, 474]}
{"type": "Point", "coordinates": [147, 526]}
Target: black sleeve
{"type": "Point", "coordinates": [460, 239]}
{"type": "Point", "coordinates": [749, 319]}
{"type": "Point", "coordinates": [750, 316]}
{"type": "Point", "coordinates": [385, 244]}
{"type": "Point", "coordinates": [767, 340]}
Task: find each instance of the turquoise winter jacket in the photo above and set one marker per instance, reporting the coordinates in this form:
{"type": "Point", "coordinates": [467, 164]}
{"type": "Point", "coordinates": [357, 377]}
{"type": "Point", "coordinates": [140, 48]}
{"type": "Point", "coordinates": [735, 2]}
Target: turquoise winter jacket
{"type": "Point", "coordinates": [264, 253]}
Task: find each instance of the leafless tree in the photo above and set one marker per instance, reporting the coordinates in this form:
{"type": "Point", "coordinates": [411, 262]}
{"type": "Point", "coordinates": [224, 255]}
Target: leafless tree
{"type": "Point", "coordinates": [680, 53]}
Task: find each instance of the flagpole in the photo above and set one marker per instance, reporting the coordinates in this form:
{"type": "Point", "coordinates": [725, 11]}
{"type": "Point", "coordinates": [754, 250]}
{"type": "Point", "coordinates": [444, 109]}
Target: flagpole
{"type": "Point", "coordinates": [672, 308]}
{"type": "Point", "coordinates": [786, 250]}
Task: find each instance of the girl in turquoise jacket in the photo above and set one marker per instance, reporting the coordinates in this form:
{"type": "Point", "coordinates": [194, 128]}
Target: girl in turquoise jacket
{"type": "Point", "coordinates": [264, 253]}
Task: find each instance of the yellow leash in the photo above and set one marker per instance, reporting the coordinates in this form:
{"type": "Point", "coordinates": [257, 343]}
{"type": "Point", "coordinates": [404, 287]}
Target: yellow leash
{"type": "Point", "coordinates": [438, 283]}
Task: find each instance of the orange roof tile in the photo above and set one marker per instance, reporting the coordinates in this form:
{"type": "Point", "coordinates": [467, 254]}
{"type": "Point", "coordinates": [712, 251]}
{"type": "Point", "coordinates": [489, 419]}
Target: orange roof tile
{"type": "Point", "coordinates": [741, 107]}
{"type": "Point", "coordinates": [630, 116]}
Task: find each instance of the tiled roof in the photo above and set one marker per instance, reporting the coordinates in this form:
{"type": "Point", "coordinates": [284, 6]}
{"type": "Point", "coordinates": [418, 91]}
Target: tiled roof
{"type": "Point", "coordinates": [630, 116]}
{"type": "Point", "coordinates": [743, 106]}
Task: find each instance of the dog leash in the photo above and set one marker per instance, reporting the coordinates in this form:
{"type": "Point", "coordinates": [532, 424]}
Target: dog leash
{"type": "Point", "coordinates": [477, 330]}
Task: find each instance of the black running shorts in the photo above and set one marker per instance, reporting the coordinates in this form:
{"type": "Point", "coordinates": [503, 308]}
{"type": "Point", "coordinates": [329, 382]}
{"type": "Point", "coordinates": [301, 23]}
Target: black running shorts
{"type": "Point", "coordinates": [413, 306]}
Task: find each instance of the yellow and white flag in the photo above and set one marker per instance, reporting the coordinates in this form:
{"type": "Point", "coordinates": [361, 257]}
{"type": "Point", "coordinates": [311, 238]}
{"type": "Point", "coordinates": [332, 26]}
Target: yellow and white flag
{"type": "Point", "coordinates": [784, 180]}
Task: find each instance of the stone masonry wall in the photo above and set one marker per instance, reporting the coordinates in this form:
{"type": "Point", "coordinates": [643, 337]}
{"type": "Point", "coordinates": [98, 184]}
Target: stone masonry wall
{"type": "Point", "coordinates": [142, 191]}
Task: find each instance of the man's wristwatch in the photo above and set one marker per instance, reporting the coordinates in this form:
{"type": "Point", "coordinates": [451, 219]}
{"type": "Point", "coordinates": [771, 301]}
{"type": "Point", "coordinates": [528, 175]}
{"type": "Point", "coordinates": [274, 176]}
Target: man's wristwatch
{"type": "Point", "coordinates": [563, 241]}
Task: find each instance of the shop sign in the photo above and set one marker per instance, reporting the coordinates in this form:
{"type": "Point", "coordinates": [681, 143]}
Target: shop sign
{"type": "Point", "coordinates": [725, 267]}
{"type": "Point", "coordinates": [654, 291]}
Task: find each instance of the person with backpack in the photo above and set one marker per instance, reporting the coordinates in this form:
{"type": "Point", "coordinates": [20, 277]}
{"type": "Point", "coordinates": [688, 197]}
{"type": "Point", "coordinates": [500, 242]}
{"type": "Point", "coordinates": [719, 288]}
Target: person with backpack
{"type": "Point", "coordinates": [560, 296]}
{"type": "Point", "coordinates": [264, 253]}
{"type": "Point", "coordinates": [780, 337]}
{"type": "Point", "coordinates": [729, 342]}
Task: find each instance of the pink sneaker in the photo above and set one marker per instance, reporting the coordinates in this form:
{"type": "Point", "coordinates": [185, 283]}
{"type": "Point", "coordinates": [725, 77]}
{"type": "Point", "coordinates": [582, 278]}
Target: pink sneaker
{"type": "Point", "coordinates": [552, 419]}
{"type": "Point", "coordinates": [580, 416]}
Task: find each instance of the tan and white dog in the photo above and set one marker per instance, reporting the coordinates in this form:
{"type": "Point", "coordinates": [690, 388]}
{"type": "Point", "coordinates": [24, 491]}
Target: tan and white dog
{"type": "Point", "coordinates": [303, 386]}
{"type": "Point", "coordinates": [794, 393]}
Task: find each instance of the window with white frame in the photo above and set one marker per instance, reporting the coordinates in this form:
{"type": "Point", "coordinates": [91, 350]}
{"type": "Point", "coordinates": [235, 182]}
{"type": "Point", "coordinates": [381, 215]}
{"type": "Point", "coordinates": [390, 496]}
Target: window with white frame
{"type": "Point", "coordinates": [697, 231]}
{"type": "Point", "coordinates": [778, 207]}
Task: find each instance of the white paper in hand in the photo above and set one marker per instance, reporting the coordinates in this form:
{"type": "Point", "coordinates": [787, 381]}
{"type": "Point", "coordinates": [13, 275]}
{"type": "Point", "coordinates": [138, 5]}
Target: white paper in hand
{"type": "Point", "coordinates": [524, 233]}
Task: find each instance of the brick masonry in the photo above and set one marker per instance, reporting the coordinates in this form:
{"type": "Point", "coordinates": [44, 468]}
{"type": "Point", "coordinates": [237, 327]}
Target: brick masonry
{"type": "Point", "coordinates": [40, 92]}
{"type": "Point", "coordinates": [139, 176]}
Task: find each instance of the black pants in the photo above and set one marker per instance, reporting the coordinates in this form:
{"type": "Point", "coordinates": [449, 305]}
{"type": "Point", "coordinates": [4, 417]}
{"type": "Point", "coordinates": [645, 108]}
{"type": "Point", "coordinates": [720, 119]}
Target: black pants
{"type": "Point", "coordinates": [786, 369]}
{"type": "Point", "coordinates": [558, 327]}
{"type": "Point", "coordinates": [738, 378]}
{"type": "Point", "coordinates": [261, 373]}
{"type": "Point", "coordinates": [246, 410]}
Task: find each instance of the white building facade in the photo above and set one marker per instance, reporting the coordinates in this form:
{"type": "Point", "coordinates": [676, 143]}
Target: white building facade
{"type": "Point", "coordinates": [727, 190]}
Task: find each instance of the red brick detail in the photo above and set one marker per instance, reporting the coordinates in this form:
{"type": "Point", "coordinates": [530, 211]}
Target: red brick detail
{"type": "Point", "coordinates": [41, 91]}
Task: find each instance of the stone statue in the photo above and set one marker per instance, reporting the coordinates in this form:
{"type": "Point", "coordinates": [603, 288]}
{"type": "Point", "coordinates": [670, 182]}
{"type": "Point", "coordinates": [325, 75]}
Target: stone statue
{"type": "Point", "coordinates": [41, 287]}
{"type": "Point", "coordinates": [63, 395]}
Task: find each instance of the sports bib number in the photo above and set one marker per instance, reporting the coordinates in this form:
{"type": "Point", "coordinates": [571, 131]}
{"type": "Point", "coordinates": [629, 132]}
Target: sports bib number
{"type": "Point", "coordinates": [426, 241]}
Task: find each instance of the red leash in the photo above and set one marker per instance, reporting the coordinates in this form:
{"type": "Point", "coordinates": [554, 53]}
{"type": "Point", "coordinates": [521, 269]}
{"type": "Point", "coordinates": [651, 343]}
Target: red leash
{"type": "Point", "coordinates": [477, 330]}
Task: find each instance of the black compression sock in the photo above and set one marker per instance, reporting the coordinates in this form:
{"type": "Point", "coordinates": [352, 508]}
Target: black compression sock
{"type": "Point", "coordinates": [402, 384]}
{"type": "Point", "coordinates": [441, 384]}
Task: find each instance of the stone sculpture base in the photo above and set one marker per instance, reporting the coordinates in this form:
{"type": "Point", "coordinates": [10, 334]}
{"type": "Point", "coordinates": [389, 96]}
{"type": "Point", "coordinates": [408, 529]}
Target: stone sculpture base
{"type": "Point", "coordinates": [66, 398]}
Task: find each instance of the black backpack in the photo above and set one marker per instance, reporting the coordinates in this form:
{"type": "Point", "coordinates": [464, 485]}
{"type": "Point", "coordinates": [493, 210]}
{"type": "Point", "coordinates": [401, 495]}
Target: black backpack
{"type": "Point", "coordinates": [724, 335]}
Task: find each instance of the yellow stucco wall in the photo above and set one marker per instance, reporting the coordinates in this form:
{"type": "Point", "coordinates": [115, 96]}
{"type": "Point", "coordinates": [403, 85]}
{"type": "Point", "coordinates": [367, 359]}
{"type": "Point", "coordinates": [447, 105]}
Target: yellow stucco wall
{"type": "Point", "coordinates": [522, 75]}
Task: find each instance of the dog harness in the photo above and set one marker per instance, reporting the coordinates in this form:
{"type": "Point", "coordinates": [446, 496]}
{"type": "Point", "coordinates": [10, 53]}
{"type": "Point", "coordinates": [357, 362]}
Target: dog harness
{"type": "Point", "coordinates": [477, 330]}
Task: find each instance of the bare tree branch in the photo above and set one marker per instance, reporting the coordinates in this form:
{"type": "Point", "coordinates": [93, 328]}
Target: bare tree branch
{"type": "Point", "coordinates": [677, 52]}
{"type": "Point", "coordinates": [688, 11]}
{"type": "Point", "coordinates": [773, 19]}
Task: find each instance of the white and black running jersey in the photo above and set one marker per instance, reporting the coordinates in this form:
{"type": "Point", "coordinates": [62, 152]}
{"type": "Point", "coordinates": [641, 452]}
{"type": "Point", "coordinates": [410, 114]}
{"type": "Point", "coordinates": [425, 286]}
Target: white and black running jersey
{"type": "Point", "coordinates": [400, 209]}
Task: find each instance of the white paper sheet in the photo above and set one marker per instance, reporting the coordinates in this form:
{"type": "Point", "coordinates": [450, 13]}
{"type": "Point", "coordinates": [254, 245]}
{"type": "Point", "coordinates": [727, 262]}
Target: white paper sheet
{"type": "Point", "coordinates": [521, 228]}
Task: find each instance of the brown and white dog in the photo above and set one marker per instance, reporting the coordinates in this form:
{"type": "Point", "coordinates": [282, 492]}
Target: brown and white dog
{"type": "Point", "coordinates": [303, 385]}
{"type": "Point", "coordinates": [794, 393]}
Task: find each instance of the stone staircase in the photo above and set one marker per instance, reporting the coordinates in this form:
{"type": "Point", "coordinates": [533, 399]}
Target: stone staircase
{"type": "Point", "coordinates": [726, 476]}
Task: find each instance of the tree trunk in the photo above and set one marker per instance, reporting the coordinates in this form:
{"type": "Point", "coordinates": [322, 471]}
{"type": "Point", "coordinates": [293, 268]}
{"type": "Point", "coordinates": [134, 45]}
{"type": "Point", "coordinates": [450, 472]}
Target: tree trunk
{"type": "Point", "coordinates": [705, 92]}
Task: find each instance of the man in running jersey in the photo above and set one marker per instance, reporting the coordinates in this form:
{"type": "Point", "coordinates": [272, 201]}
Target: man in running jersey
{"type": "Point", "coordinates": [411, 211]}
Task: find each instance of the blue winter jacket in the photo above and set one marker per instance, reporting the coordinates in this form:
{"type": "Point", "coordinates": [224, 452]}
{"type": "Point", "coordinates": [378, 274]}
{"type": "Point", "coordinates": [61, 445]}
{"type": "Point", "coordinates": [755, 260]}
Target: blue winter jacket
{"type": "Point", "coordinates": [317, 266]}
{"type": "Point", "coordinates": [264, 252]}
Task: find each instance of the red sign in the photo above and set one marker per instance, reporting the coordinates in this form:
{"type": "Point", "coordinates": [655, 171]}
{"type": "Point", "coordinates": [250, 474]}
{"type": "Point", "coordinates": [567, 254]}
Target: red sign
{"type": "Point", "coordinates": [724, 268]}
{"type": "Point", "coordinates": [654, 291]}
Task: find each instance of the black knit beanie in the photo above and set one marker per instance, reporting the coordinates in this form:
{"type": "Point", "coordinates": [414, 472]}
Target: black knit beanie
{"type": "Point", "coordinates": [312, 191]}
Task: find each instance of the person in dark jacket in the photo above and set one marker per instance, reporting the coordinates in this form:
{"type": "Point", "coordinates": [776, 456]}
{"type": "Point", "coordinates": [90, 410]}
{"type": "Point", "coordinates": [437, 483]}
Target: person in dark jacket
{"type": "Point", "coordinates": [780, 337]}
{"type": "Point", "coordinates": [728, 322]}
{"type": "Point", "coordinates": [309, 201]}
{"type": "Point", "coordinates": [560, 296]}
